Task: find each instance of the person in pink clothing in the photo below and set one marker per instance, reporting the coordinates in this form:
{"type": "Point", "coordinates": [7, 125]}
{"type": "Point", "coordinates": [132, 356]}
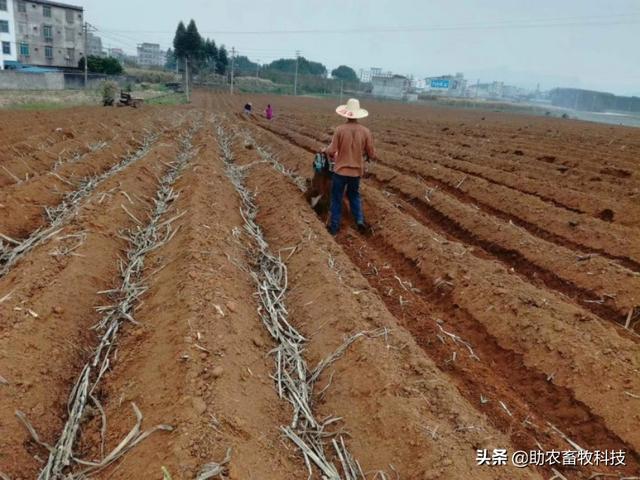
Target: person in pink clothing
{"type": "Point", "coordinates": [268, 112]}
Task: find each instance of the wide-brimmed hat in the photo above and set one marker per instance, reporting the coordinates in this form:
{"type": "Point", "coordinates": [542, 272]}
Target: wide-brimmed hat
{"type": "Point", "coordinates": [352, 109]}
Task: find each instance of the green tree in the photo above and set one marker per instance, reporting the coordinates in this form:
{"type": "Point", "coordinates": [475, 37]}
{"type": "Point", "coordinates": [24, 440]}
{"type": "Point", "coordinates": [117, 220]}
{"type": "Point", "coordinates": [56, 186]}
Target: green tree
{"type": "Point", "coordinates": [223, 61]}
{"type": "Point", "coordinates": [193, 42]}
{"type": "Point", "coordinates": [244, 66]}
{"type": "Point", "coordinates": [209, 55]}
{"type": "Point", "coordinates": [179, 41]}
{"type": "Point", "coordinates": [305, 67]}
{"type": "Point", "coordinates": [345, 73]}
{"type": "Point", "coordinates": [171, 61]}
{"type": "Point", "coordinates": [188, 46]}
{"type": "Point", "coordinates": [108, 65]}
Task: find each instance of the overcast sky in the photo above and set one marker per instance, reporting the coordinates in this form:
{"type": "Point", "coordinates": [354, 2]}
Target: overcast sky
{"type": "Point", "coordinates": [582, 43]}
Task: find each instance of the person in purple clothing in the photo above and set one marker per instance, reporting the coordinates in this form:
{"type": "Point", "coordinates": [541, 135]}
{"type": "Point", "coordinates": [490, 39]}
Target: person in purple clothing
{"type": "Point", "coordinates": [268, 112]}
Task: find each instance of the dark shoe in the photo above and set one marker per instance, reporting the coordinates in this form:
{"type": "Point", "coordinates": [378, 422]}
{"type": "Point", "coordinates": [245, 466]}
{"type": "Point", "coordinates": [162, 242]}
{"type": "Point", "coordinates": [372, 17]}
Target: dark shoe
{"type": "Point", "coordinates": [331, 231]}
{"type": "Point", "coordinates": [364, 228]}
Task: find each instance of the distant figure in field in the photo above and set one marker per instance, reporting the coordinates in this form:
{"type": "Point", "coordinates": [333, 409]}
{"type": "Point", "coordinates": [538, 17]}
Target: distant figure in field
{"type": "Point", "coordinates": [248, 108]}
{"type": "Point", "coordinates": [268, 112]}
{"type": "Point", "coordinates": [351, 145]}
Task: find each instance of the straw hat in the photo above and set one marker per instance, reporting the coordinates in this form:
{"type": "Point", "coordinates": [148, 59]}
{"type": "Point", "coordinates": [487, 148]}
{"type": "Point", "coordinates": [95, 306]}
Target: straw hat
{"type": "Point", "coordinates": [352, 110]}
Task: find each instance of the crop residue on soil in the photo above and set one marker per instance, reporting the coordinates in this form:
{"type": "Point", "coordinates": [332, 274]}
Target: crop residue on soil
{"type": "Point", "coordinates": [495, 305]}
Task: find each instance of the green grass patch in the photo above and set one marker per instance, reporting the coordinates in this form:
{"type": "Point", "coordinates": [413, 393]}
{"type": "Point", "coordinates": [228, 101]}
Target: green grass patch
{"type": "Point", "coordinates": [169, 99]}
{"type": "Point", "coordinates": [41, 106]}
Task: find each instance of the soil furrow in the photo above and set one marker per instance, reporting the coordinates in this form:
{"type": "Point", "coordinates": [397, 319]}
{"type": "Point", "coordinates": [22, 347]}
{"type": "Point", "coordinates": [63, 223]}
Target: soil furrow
{"type": "Point", "coordinates": [45, 334]}
{"type": "Point", "coordinates": [499, 375]}
{"type": "Point", "coordinates": [483, 167]}
{"type": "Point", "coordinates": [67, 208]}
{"type": "Point", "coordinates": [604, 288]}
{"type": "Point", "coordinates": [611, 293]}
{"type": "Point", "coordinates": [27, 200]}
{"type": "Point", "coordinates": [534, 152]}
{"type": "Point", "coordinates": [484, 291]}
{"type": "Point", "coordinates": [570, 231]}
{"type": "Point", "coordinates": [198, 359]}
{"type": "Point", "coordinates": [35, 156]}
{"type": "Point", "coordinates": [402, 391]}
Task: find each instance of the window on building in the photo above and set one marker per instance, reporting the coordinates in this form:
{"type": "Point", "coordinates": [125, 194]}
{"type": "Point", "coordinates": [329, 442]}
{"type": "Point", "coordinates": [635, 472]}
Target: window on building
{"type": "Point", "coordinates": [4, 26]}
{"type": "Point", "coordinates": [69, 16]}
{"type": "Point", "coordinates": [22, 27]}
{"type": "Point", "coordinates": [69, 34]}
{"type": "Point", "coordinates": [3, 5]}
{"type": "Point", "coordinates": [48, 52]}
{"type": "Point", "coordinates": [46, 11]}
{"type": "Point", "coordinates": [22, 7]}
{"type": "Point", "coordinates": [71, 54]}
{"type": "Point", "coordinates": [47, 33]}
{"type": "Point", "coordinates": [24, 49]}
{"type": "Point", "coordinates": [6, 48]}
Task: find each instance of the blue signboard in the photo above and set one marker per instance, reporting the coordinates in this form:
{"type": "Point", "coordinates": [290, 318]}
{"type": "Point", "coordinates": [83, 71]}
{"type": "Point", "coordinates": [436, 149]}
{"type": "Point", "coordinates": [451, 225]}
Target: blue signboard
{"type": "Point", "coordinates": [439, 83]}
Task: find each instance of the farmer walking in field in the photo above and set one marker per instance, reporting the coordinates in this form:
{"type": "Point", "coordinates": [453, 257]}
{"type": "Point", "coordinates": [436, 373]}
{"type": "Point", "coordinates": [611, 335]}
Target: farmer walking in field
{"type": "Point", "coordinates": [352, 143]}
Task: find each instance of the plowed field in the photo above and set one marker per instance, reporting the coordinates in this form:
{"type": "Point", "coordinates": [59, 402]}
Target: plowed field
{"type": "Point", "coordinates": [171, 306]}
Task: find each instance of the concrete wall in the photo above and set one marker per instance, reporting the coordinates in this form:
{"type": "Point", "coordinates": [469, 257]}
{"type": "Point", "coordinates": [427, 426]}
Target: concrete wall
{"type": "Point", "coordinates": [12, 80]}
{"type": "Point", "coordinates": [15, 80]}
{"type": "Point", "coordinates": [67, 42]}
{"type": "Point", "coordinates": [394, 87]}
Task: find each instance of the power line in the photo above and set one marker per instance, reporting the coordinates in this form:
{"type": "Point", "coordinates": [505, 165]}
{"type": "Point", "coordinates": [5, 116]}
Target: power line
{"type": "Point", "coordinates": [602, 20]}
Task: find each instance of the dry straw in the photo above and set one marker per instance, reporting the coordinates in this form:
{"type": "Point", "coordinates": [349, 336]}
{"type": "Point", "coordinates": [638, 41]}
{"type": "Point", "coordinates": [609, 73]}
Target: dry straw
{"type": "Point", "coordinates": [143, 239]}
{"type": "Point", "coordinates": [57, 216]}
{"type": "Point", "coordinates": [294, 380]}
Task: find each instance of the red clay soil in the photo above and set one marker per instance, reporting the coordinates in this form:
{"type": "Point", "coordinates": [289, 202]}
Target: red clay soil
{"type": "Point", "coordinates": [387, 391]}
{"type": "Point", "coordinates": [582, 425]}
{"type": "Point", "coordinates": [558, 267]}
{"type": "Point", "coordinates": [541, 218]}
{"type": "Point", "coordinates": [504, 264]}
{"type": "Point", "coordinates": [197, 361]}
{"type": "Point", "coordinates": [45, 334]}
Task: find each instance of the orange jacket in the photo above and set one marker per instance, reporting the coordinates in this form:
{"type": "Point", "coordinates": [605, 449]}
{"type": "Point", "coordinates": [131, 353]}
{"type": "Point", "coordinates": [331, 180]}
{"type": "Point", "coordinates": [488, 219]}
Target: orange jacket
{"type": "Point", "coordinates": [351, 141]}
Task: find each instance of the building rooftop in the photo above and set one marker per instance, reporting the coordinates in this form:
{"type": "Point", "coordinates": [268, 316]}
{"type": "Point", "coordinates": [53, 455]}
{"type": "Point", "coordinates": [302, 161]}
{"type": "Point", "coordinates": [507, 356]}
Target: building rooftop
{"type": "Point", "coordinates": [56, 4]}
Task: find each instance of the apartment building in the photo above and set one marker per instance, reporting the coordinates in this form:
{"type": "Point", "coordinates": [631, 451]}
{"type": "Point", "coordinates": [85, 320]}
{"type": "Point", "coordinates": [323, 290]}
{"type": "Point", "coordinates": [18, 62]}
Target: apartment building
{"type": "Point", "coordinates": [396, 87]}
{"type": "Point", "coordinates": [150, 55]}
{"type": "Point", "coordinates": [7, 33]}
{"type": "Point", "coordinates": [48, 34]}
{"type": "Point", "coordinates": [94, 45]}
{"type": "Point", "coordinates": [446, 85]}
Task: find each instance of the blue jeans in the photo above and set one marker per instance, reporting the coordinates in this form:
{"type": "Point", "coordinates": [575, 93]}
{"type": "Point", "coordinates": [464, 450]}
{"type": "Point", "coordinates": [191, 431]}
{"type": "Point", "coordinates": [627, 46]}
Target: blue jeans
{"type": "Point", "coordinates": [338, 185]}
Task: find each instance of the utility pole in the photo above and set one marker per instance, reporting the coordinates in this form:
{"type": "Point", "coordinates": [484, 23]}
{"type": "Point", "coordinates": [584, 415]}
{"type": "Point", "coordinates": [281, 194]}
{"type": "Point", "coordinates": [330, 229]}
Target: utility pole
{"type": "Point", "coordinates": [187, 86]}
{"type": "Point", "coordinates": [258, 68]}
{"type": "Point", "coordinates": [295, 78]}
{"type": "Point", "coordinates": [233, 64]}
{"type": "Point", "coordinates": [341, 89]}
{"type": "Point", "coordinates": [86, 55]}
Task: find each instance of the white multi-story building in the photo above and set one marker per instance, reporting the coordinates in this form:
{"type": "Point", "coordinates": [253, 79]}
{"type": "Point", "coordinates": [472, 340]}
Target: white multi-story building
{"type": "Point", "coordinates": [150, 55]}
{"type": "Point", "coordinates": [7, 33]}
{"type": "Point", "coordinates": [366, 76]}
